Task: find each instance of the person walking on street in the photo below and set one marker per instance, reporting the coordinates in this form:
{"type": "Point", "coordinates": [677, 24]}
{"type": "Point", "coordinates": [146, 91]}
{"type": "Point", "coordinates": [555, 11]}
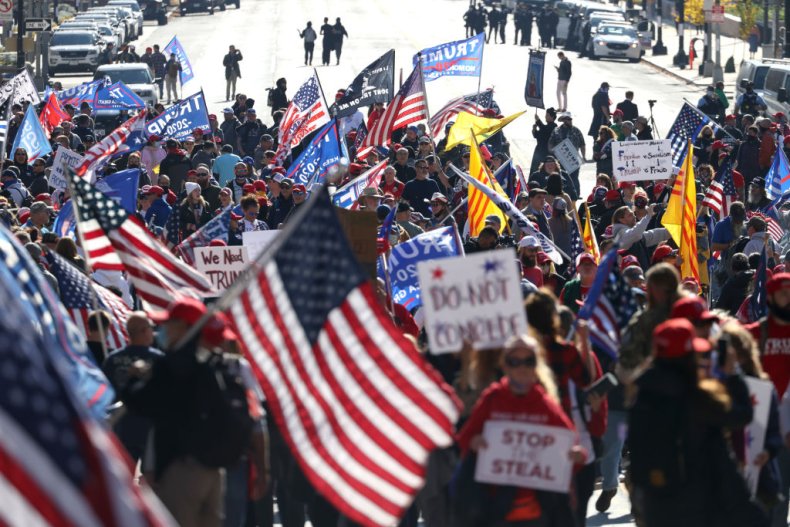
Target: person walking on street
{"type": "Point", "coordinates": [502, 24]}
{"type": "Point", "coordinates": [309, 37]}
{"type": "Point", "coordinates": [563, 77]}
{"type": "Point", "coordinates": [172, 71]}
{"type": "Point", "coordinates": [340, 32]}
{"type": "Point", "coordinates": [327, 42]}
{"type": "Point", "coordinates": [158, 61]}
{"type": "Point", "coordinates": [232, 71]}
{"type": "Point", "coordinates": [600, 106]}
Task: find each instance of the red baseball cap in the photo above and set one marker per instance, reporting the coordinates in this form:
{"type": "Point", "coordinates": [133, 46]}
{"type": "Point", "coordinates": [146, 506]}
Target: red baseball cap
{"type": "Point", "coordinates": [675, 338]}
{"type": "Point", "coordinates": [585, 258]}
{"type": "Point", "coordinates": [629, 261]}
{"type": "Point", "coordinates": [217, 330]}
{"type": "Point", "coordinates": [612, 195]}
{"type": "Point", "coordinates": [692, 308]}
{"type": "Point", "coordinates": [661, 252]}
{"type": "Point", "coordinates": [153, 189]}
{"type": "Point", "coordinates": [299, 188]}
{"type": "Point", "coordinates": [624, 184]}
{"type": "Point", "coordinates": [355, 169]}
{"type": "Point", "coordinates": [44, 196]}
{"type": "Point", "coordinates": [731, 117]}
{"type": "Point", "coordinates": [259, 185]}
{"type": "Point", "coordinates": [543, 258]}
{"type": "Point", "coordinates": [217, 243]}
{"type": "Point", "coordinates": [248, 188]}
{"type": "Point", "coordinates": [777, 282]}
{"type": "Point", "coordinates": [235, 216]}
{"type": "Point", "coordinates": [188, 310]}
{"type": "Point", "coordinates": [191, 173]}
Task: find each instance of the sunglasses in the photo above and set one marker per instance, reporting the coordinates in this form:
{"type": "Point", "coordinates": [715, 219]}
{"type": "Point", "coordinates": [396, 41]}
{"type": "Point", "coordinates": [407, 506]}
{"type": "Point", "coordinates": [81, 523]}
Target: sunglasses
{"type": "Point", "coordinates": [529, 362]}
{"type": "Point", "coordinates": [423, 167]}
{"type": "Point", "coordinates": [298, 193]}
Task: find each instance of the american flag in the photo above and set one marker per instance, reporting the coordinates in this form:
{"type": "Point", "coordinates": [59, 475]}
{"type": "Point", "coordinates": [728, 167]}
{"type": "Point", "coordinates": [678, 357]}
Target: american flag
{"type": "Point", "coordinates": [721, 192]}
{"type": "Point", "coordinates": [777, 179]}
{"type": "Point", "coordinates": [347, 196]}
{"type": "Point", "coordinates": [521, 184]}
{"type": "Point", "coordinates": [60, 466]}
{"type": "Point", "coordinates": [78, 293]}
{"type": "Point", "coordinates": [474, 103]}
{"type": "Point", "coordinates": [217, 228]}
{"type": "Point", "coordinates": [49, 318]}
{"type": "Point", "coordinates": [106, 148]}
{"type": "Point", "coordinates": [171, 236]}
{"type": "Point", "coordinates": [774, 229]}
{"type": "Point", "coordinates": [407, 107]}
{"type": "Point", "coordinates": [687, 126]}
{"type": "Point", "coordinates": [609, 305]}
{"type": "Point", "coordinates": [577, 246]}
{"type": "Point", "coordinates": [158, 276]}
{"type": "Point", "coordinates": [306, 113]}
{"type": "Point", "coordinates": [358, 406]}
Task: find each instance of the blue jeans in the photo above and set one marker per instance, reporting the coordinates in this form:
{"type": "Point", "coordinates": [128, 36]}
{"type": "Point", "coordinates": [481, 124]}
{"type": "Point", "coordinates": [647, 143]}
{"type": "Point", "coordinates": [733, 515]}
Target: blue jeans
{"type": "Point", "coordinates": [613, 441]}
{"type": "Point", "coordinates": [236, 495]}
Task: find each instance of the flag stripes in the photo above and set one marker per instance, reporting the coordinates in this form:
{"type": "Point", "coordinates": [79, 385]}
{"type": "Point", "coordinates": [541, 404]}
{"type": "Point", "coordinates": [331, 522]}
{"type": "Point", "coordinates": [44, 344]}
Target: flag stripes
{"type": "Point", "coordinates": [407, 107]}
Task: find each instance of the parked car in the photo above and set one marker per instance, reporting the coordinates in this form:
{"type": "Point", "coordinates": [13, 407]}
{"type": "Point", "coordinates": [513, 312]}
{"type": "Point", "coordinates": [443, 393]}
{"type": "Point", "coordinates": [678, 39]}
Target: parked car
{"type": "Point", "coordinates": [754, 71]}
{"type": "Point", "coordinates": [200, 6]}
{"type": "Point", "coordinates": [74, 51]}
{"type": "Point", "coordinates": [777, 87]}
{"type": "Point", "coordinates": [619, 41]}
{"type": "Point", "coordinates": [136, 11]}
{"type": "Point", "coordinates": [155, 10]}
{"type": "Point", "coordinates": [136, 76]}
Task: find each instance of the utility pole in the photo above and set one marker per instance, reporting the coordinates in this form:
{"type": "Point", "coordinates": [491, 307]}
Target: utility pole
{"type": "Point", "coordinates": [681, 59]}
{"type": "Point", "coordinates": [718, 74]}
{"type": "Point", "coordinates": [20, 33]}
{"type": "Point", "coordinates": [659, 48]}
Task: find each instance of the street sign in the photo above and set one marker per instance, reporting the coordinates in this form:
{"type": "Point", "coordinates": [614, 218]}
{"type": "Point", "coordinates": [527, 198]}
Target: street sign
{"type": "Point", "coordinates": [715, 15]}
{"type": "Point", "coordinates": [6, 10]}
{"type": "Point", "coordinates": [38, 24]}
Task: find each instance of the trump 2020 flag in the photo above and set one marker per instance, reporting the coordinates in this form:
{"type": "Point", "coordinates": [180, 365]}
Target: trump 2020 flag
{"type": "Point", "coordinates": [117, 96]}
{"type": "Point", "coordinates": [460, 58]}
{"type": "Point", "coordinates": [175, 48]}
{"type": "Point", "coordinates": [777, 180]}
{"type": "Point", "coordinates": [533, 91]}
{"type": "Point", "coordinates": [178, 121]}
{"type": "Point", "coordinates": [347, 197]}
{"type": "Point", "coordinates": [32, 137]}
{"type": "Point", "coordinates": [374, 84]}
{"type": "Point", "coordinates": [84, 92]}
{"type": "Point", "coordinates": [323, 152]}
{"type": "Point", "coordinates": [122, 188]}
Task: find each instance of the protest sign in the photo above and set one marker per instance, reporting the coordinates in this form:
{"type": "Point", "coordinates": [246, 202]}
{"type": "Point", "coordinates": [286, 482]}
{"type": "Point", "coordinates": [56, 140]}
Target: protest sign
{"type": "Point", "coordinates": [760, 395]}
{"type": "Point", "coordinates": [180, 120]}
{"type": "Point", "coordinates": [63, 158]}
{"type": "Point", "coordinates": [642, 160]}
{"type": "Point", "coordinates": [221, 265]}
{"type": "Point", "coordinates": [475, 298]}
{"type": "Point", "coordinates": [433, 245]}
{"type": "Point", "coordinates": [361, 229]}
{"type": "Point", "coordinates": [526, 455]}
{"type": "Point", "coordinates": [257, 241]}
{"type": "Point", "coordinates": [568, 156]}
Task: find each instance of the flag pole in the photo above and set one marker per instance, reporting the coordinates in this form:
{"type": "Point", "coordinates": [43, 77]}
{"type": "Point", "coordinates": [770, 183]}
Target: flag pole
{"type": "Point", "coordinates": [88, 267]}
{"type": "Point", "coordinates": [428, 117]}
{"type": "Point", "coordinates": [480, 76]}
{"type": "Point", "coordinates": [9, 103]}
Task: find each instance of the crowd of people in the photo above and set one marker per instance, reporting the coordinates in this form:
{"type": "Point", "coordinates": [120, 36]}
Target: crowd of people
{"type": "Point", "coordinates": [476, 19]}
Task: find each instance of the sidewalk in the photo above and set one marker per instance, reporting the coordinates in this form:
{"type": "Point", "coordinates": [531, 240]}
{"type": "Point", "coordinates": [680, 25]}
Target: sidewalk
{"type": "Point", "coordinates": [730, 47]}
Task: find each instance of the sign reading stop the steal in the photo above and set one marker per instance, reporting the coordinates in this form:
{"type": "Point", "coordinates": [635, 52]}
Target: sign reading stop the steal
{"type": "Point", "coordinates": [526, 455]}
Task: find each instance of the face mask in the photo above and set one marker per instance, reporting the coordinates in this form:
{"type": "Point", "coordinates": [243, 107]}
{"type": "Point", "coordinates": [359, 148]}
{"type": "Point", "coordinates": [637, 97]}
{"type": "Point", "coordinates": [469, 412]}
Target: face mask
{"type": "Point", "coordinates": [160, 338]}
{"type": "Point", "coordinates": [782, 313]}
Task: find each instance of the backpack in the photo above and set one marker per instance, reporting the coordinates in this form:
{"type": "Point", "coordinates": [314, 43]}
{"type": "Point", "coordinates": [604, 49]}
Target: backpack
{"type": "Point", "coordinates": [658, 464]}
{"type": "Point", "coordinates": [220, 428]}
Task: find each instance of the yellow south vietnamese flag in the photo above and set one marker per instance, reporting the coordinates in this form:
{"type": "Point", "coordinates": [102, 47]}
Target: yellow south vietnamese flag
{"type": "Point", "coordinates": [588, 236]}
{"type": "Point", "coordinates": [467, 125]}
{"type": "Point", "coordinates": [478, 204]}
{"type": "Point", "coordinates": [680, 218]}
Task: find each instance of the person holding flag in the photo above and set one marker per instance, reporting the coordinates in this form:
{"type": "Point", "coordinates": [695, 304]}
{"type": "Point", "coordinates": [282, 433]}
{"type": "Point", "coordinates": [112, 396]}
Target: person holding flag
{"type": "Point", "coordinates": [680, 217]}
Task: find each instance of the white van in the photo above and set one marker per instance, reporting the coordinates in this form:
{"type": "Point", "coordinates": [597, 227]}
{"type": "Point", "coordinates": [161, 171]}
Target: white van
{"type": "Point", "coordinates": [777, 86]}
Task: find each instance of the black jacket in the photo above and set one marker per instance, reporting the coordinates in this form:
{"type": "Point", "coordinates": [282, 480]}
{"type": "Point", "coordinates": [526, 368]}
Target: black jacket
{"type": "Point", "coordinates": [734, 291]}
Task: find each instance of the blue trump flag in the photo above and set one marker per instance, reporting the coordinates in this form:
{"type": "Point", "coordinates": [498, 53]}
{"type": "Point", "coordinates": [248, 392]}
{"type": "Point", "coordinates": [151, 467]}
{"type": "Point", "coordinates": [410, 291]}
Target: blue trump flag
{"type": "Point", "coordinates": [85, 92]}
{"type": "Point", "coordinates": [178, 121]}
{"type": "Point", "coordinates": [434, 245]}
{"type": "Point", "coordinates": [135, 141]}
{"type": "Point", "coordinates": [777, 180]}
{"type": "Point", "coordinates": [461, 58]}
{"type": "Point", "coordinates": [323, 152]}
{"type": "Point", "coordinates": [31, 136]}
{"type": "Point", "coordinates": [175, 48]}
{"type": "Point", "coordinates": [65, 223]}
{"type": "Point", "coordinates": [122, 187]}
{"type": "Point", "coordinates": [117, 96]}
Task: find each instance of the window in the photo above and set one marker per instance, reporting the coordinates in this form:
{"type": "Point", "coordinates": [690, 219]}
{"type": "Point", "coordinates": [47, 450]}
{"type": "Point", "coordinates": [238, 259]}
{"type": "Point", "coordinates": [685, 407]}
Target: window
{"type": "Point", "coordinates": [759, 77]}
{"type": "Point", "coordinates": [135, 76]}
{"type": "Point", "coordinates": [774, 80]}
{"type": "Point", "coordinates": [72, 39]}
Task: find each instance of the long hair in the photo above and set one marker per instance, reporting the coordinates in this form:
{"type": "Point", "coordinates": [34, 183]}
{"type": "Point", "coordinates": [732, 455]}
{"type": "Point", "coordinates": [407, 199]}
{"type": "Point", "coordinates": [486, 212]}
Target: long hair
{"type": "Point", "coordinates": [542, 314]}
{"type": "Point", "coordinates": [542, 369]}
{"type": "Point", "coordinates": [746, 350]}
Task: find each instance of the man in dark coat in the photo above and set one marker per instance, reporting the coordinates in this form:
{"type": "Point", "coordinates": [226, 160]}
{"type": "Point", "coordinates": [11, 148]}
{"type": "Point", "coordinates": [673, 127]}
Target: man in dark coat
{"type": "Point", "coordinates": [600, 105]}
{"type": "Point", "coordinates": [232, 71]}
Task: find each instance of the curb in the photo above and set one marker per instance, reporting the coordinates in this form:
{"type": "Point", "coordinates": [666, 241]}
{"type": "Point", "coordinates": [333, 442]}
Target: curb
{"type": "Point", "coordinates": [667, 71]}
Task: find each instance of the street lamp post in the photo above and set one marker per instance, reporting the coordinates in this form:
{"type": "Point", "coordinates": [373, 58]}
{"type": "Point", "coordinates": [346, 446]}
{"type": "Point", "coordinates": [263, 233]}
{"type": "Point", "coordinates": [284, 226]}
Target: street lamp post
{"type": "Point", "coordinates": [681, 59]}
{"type": "Point", "coordinates": [659, 48]}
{"type": "Point", "coordinates": [20, 33]}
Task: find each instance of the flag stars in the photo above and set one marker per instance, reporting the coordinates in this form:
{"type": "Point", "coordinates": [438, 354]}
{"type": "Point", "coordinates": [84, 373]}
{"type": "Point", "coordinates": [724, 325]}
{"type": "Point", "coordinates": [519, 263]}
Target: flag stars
{"type": "Point", "coordinates": [491, 266]}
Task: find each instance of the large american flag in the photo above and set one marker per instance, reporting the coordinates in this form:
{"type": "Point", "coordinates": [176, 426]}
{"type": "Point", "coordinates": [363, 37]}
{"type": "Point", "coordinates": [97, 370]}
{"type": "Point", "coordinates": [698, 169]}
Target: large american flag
{"type": "Point", "coordinates": [474, 103]}
{"type": "Point", "coordinates": [102, 151]}
{"type": "Point", "coordinates": [407, 107]}
{"type": "Point", "coordinates": [687, 126]}
{"type": "Point", "coordinates": [774, 229]}
{"type": "Point", "coordinates": [609, 305]}
{"type": "Point", "coordinates": [158, 276]}
{"type": "Point", "coordinates": [306, 113]}
{"type": "Point", "coordinates": [78, 294]}
{"type": "Point", "coordinates": [60, 466]}
{"type": "Point", "coordinates": [358, 406]}
{"type": "Point", "coordinates": [721, 192]}
{"type": "Point", "coordinates": [217, 228]}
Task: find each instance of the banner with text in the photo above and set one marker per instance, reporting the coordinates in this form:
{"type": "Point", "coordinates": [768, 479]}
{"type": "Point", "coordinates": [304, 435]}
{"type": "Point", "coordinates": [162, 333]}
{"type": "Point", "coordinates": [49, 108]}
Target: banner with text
{"type": "Point", "coordinates": [642, 160]}
{"type": "Point", "coordinates": [374, 84]}
{"type": "Point", "coordinates": [462, 58]}
{"type": "Point", "coordinates": [178, 121]}
{"type": "Point", "coordinates": [526, 455]}
{"type": "Point", "coordinates": [475, 298]}
{"type": "Point", "coordinates": [221, 265]}
{"type": "Point", "coordinates": [257, 241]}
{"type": "Point", "coordinates": [174, 47]}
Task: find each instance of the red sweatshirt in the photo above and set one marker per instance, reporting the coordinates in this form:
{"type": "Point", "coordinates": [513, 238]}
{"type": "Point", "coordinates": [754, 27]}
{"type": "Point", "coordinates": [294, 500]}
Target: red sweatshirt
{"type": "Point", "coordinates": [775, 355]}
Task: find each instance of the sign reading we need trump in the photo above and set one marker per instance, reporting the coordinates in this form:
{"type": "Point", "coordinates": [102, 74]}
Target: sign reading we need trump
{"type": "Point", "coordinates": [526, 455]}
{"type": "Point", "coordinates": [221, 265]}
{"type": "Point", "coordinates": [475, 298]}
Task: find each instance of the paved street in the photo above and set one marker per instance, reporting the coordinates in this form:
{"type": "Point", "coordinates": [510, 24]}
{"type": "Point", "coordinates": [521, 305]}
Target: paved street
{"type": "Point", "coordinates": [266, 33]}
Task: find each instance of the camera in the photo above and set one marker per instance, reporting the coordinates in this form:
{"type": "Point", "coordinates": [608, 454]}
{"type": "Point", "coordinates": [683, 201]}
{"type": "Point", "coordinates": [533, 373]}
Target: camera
{"type": "Point", "coordinates": [651, 102]}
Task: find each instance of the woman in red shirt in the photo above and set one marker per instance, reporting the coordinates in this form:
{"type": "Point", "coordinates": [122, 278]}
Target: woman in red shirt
{"type": "Point", "coordinates": [526, 394]}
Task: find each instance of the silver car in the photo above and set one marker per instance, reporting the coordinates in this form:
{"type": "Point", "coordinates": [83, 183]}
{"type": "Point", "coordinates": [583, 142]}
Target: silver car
{"type": "Point", "coordinates": [617, 41]}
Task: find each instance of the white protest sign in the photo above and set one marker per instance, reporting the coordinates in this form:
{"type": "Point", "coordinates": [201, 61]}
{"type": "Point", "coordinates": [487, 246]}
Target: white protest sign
{"type": "Point", "coordinates": [57, 177]}
{"type": "Point", "coordinates": [526, 455]}
{"type": "Point", "coordinates": [760, 395]}
{"type": "Point", "coordinates": [221, 265]}
{"type": "Point", "coordinates": [642, 160]}
{"type": "Point", "coordinates": [257, 241]}
{"type": "Point", "coordinates": [568, 156]}
{"type": "Point", "coordinates": [477, 298]}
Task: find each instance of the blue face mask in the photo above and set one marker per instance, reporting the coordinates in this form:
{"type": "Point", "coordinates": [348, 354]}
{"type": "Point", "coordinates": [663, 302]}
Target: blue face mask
{"type": "Point", "coordinates": [160, 338]}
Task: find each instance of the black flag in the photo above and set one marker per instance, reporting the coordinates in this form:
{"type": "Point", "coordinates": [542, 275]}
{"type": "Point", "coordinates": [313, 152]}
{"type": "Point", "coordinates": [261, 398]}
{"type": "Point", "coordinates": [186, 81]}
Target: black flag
{"type": "Point", "coordinates": [374, 84]}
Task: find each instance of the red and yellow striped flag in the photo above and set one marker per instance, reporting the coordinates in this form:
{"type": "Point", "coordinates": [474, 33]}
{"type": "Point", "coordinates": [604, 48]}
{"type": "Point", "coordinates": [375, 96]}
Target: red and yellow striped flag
{"type": "Point", "coordinates": [680, 218]}
{"type": "Point", "coordinates": [479, 204]}
{"type": "Point", "coordinates": [588, 236]}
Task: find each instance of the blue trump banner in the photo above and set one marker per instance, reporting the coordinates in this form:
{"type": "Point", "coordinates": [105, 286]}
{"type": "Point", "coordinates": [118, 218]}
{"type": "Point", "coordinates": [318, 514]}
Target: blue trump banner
{"type": "Point", "coordinates": [461, 58]}
{"type": "Point", "coordinates": [85, 92]}
{"type": "Point", "coordinates": [117, 96]}
{"type": "Point", "coordinates": [323, 152]}
{"type": "Point", "coordinates": [122, 187]}
{"type": "Point", "coordinates": [533, 91]}
{"type": "Point", "coordinates": [434, 245]}
{"type": "Point", "coordinates": [175, 48]}
{"type": "Point", "coordinates": [178, 121]}
{"type": "Point", "coordinates": [31, 136]}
